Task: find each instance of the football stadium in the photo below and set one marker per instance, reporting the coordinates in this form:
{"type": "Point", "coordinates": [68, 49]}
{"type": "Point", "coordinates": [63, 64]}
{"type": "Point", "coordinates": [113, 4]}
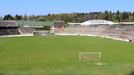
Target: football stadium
{"type": "Point", "coordinates": [94, 47]}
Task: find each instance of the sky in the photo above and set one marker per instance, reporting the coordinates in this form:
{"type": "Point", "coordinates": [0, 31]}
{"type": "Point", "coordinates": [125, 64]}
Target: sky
{"type": "Point", "coordinates": [43, 7]}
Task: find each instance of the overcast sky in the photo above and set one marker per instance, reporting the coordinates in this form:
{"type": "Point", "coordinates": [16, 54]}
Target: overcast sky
{"type": "Point", "coordinates": [43, 7]}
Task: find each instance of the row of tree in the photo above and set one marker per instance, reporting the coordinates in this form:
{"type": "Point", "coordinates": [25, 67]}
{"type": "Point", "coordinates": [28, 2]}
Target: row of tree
{"type": "Point", "coordinates": [77, 17]}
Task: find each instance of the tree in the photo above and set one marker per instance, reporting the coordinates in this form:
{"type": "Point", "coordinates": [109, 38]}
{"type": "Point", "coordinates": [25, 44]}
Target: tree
{"type": "Point", "coordinates": [8, 17]}
{"type": "Point", "coordinates": [110, 16]}
{"type": "Point", "coordinates": [106, 17]}
{"type": "Point", "coordinates": [125, 16]}
{"type": "Point", "coordinates": [101, 16]}
{"type": "Point", "coordinates": [18, 17]}
{"type": "Point", "coordinates": [25, 17]}
{"type": "Point", "coordinates": [40, 18]}
{"type": "Point", "coordinates": [117, 16]}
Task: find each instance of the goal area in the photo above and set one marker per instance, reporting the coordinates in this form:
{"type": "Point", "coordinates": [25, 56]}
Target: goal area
{"type": "Point", "coordinates": [90, 56]}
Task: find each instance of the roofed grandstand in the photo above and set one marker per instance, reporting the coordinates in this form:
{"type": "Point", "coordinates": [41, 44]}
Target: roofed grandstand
{"type": "Point", "coordinates": [9, 28]}
{"type": "Point", "coordinates": [8, 24]}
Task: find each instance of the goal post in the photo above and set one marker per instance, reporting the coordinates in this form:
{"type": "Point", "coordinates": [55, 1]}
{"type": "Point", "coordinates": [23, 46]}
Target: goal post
{"type": "Point", "coordinates": [90, 56]}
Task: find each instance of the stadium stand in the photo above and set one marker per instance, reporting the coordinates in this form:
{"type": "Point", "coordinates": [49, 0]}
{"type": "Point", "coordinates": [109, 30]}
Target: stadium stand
{"type": "Point", "coordinates": [124, 32]}
{"type": "Point", "coordinates": [104, 29]}
{"type": "Point", "coordinates": [9, 28]}
{"type": "Point", "coordinates": [26, 30]}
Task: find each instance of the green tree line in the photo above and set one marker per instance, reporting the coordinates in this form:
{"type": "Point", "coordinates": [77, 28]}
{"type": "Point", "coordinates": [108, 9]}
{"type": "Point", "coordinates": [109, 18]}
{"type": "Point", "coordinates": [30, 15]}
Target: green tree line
{"type": "Point", "coordinates": [77, 17]}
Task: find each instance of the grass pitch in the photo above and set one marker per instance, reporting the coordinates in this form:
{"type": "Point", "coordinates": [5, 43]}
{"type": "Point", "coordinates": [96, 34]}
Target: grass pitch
{"type": "Point", "coordinates": [59, 55]}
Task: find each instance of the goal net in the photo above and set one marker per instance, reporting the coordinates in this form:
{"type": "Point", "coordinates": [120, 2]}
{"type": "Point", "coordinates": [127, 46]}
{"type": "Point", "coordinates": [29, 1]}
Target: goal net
{"type": "Point", "coordinates": [41, 33]}
{"type": "Point", "coordinates": [92, 56]}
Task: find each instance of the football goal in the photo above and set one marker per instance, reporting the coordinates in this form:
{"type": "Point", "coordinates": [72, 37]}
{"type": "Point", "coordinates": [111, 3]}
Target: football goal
{"type": "Point", "coordinates": [91, 56]}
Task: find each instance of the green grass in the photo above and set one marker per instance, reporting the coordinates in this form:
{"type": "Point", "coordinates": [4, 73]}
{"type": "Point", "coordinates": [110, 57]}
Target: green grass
{"type": "Point", "coordinates": [59, 55]}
